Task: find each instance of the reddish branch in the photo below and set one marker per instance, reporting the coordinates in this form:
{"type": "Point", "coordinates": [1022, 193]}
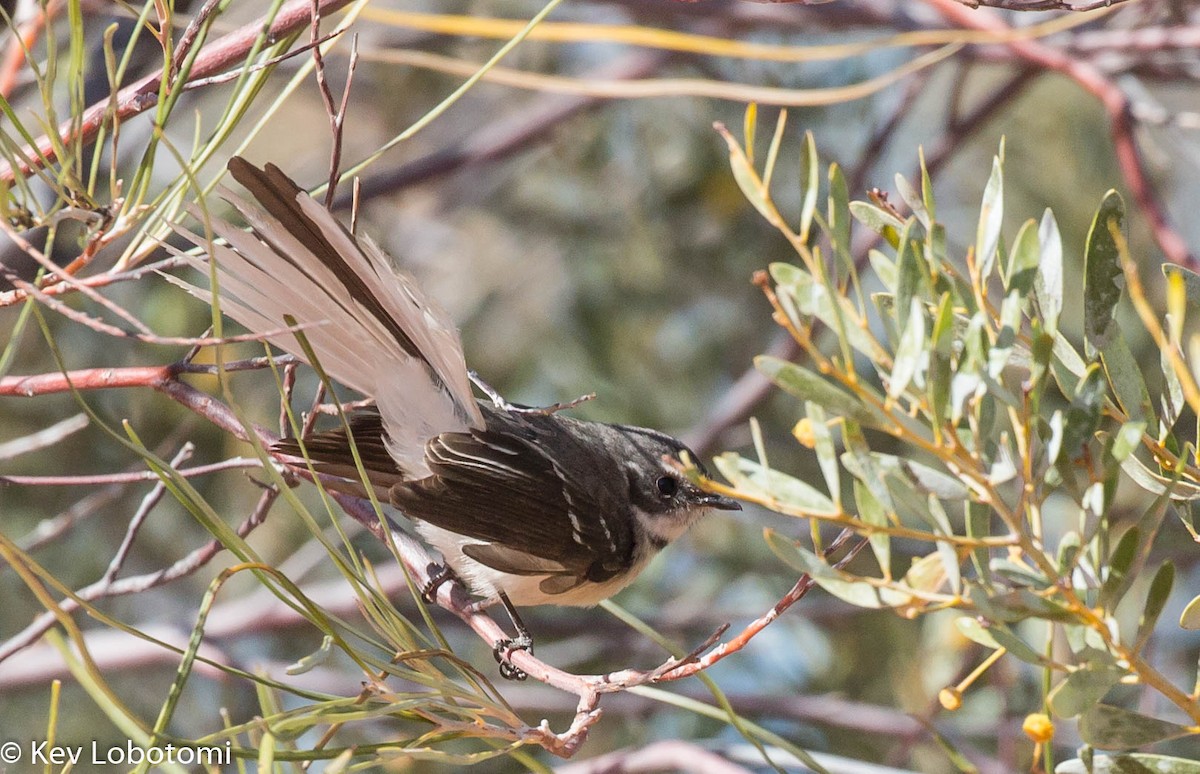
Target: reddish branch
{"type": "Point", "coordinates": [143, 95]}
{"type": "Point", "coordinates": [1115, 103]}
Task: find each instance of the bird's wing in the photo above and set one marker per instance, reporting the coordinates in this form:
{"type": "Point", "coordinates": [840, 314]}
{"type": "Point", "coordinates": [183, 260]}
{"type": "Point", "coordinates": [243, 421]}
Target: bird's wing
{"type": "Point", "coordinates": [504, 489]}
{"type": "Point", "coordinates": [369, 325]}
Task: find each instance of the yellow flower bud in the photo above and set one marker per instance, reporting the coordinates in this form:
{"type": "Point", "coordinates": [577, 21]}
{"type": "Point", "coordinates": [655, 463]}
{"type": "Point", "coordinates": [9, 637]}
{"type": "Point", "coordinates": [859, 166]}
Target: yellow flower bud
{"type": "Point", "coordinates": [951, 698]}
{"type": "Point", "coordinates": [804, 433]}
{"type": "Point", "coordinates": [1038, 727]}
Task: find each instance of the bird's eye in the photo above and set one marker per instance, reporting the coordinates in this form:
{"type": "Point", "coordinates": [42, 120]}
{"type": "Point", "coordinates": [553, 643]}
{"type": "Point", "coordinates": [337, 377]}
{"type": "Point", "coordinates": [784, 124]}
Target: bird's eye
{"type": "Point", "coordinates": [667, 486]}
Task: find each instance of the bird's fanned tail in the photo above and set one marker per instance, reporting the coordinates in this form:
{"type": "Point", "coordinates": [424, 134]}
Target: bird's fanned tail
{"type": "Point", "coordinates": [369, 325]}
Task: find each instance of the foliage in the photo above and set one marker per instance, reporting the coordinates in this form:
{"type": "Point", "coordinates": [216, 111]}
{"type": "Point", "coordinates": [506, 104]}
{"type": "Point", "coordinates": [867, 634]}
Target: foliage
{"type": "Point", "coordinates": [948, 410]}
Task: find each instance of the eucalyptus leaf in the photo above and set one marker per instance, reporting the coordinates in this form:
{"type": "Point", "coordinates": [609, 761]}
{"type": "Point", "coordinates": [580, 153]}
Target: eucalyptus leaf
{"type": "Point", "coordinates": [839, 213]}
{"type": "Point", "coordinates": [1129, 763]}
{"type": "Point", "coordinates": [823, 446]}
{"type": "Point", "coordinates": [1157, 485]}
{"type": "Point", "coordinates": [1023, 260]}
{"type": "Point", "coordinates": [810, 175]}
{"type": "Point", "coordinates": [1082, 689]}
{"type": "Point", "coordinates": [991, 218]}
{"type": "Point", "coordinates": [940, 365]}
{"type": "Point", "coordinates": [806, 385]}
{"type": "Point", "coordinates": [1172, 400]}
{"type": "Point", "coordinates": [1191, 282]}
{"type": "Point", "coordinates": [878, 220]}
{"type": "Point", "coordinates": [1127, 440]}
{"type": "Point", "coordinates": [857, 593]}
{"type": "Point", "coordinates": [1190, 618]}
{"type": "Point", "coordinates": [814, 299]}
{"type": "Point", "coordinates": [1049, 284]}
{"type": "Point", "coordinates": [914, 201]}
{"type": "Point", "coordinates": [1102, 276]}
{"type": "Point", "coordinates": [913, 283]}
{"type": "Point", "coordinates": [748, 180]}
{"type": "Point", "coordinates": [1116, 583]}
{"type": "Point", "coordinates": [1109, 727]}
{"type": "Point", "coordinates": [1008, 640]}
{"type": "Point", "coordinates": [884, 268]}
{"type": "Point", "coordinates": [1156, 600]}
{"type": "Point", "coordinates": [871, 512]}
{"type": "Point", "coordinates": [1125, 376]}
{"type": "Point", "coordinates": [786, 489]}
{"type": "Point", "coordinates": [976, 632]}
{"type": "Point", "coordinates": [912, 355]}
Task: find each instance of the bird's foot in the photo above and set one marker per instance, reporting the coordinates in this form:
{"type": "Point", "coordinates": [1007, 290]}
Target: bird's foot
{"type": "Point", "coordinates": [438, 574]}
{"type": "Point", "coordinates": [503, 650]}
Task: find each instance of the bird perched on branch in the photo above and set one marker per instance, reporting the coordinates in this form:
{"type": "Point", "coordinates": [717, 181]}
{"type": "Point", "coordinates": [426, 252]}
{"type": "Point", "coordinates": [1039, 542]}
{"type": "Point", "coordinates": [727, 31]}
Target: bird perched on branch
{"type": "Point", "coordinates": [526, 506]}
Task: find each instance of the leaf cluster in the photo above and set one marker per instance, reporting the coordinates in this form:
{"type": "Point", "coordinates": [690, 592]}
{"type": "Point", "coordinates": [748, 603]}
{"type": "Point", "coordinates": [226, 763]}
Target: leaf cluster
{"type": "Point", "coordinates": [972, 444]}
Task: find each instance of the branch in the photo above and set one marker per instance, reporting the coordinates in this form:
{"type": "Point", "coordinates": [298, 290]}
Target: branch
{"type": "Point", "coordinates": [144, 94]}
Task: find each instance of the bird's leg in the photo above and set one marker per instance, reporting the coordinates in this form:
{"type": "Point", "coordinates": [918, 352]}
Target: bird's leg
{"type": "Point", "coordinates": [516, 408]}
{"type": "Point", "coordinates": [438, 575]}
{"type": "Point", "coordinates": [523, 641]}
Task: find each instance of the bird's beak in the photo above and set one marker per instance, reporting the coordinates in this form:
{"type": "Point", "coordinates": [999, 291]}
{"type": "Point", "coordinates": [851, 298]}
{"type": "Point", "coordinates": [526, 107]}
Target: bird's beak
{"type": "Point", "coordinates": [720, 503]}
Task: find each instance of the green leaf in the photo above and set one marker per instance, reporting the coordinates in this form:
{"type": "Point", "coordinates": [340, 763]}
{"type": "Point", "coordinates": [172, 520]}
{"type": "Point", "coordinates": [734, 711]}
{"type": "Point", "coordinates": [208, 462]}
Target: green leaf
{"type": "Point", "coordinates": [913, 282]}
{"type": "Point", "coordinates": [974, 631]}
{"type": "Point", "coordinates": [947, 553]}
{"type": "Point", "coordinates": [1109, 727]}
{"type": "Point", "coordinates": [1129, 763]}
{"type": "Point", "coordinates": [941, 372]}
{"type": "Point", "coordinates": [796, 287]}
{"type": "Point", "coordinates": [1102, 272]}
{"type": "Point", "coordinates": [806, 385]}
{"type": "Point", "coordinates": [920, 477]}
{"type": "Point", "coordinates": [1156, 600]}
{"type": "Point", "coordinates": [991, 217]}
{"type": "Point", "coordinates": [1127, 440]}
{"type": "Point", "coordinates": [786, 489]}
{"type": "Point", "coordinates": [1116, 583]}
{"type": "Point", "coordinates": [1191, 282]}
{"type": "Point", "coordinates": [1082, 418]}
{"type": "Point", "coordinates": [880, 221]}
{"type": "Point", "coordinates": [871, 512]}
{"type": "Point", "coordinates": [748, 180]}
{"type": "Point", "coordinates": [1049, 283]}
{"type": "Point", "coordinates": [914, 201]}
{"type": "Point", "coordinates": [1023, 260]}
{"type": "Point", "coordinates": [823, 446]}
{"type": "Point", "coordinates": [1172, 399]}
{"type": "Point", "coordinates": [839, 213]}
{"type": "Point", "coordinates": [926, 185]}
{"type": "Point", "coordinates": [1125, 376]}
{"type": "Point", "coordinates": [911, 352]}
{"type": "Point", "coordinates": [1190, 618]}
{"type": "Point", "coordinates": [837, 583]}
{"type": "Point", "coordinates": [860, 462]}
{"type": "Point", "coordinates": [884, 268]}
{"type": "Point", "coordinates": [1158, 485]}
{"type": "Point", "coordinates": [810, 174]}
{"type": "Point", "coordinates": [979, 521]}
{"type": "Point", "coordinates": [1082, 689]}
{"type": "Point", "coordinates": [1015, 645]}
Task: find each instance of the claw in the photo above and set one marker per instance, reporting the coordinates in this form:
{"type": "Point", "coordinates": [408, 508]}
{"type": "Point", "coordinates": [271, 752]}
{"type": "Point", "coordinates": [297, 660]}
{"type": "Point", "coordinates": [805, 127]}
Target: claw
{"type": "Point", "coordinates": [438, 574]}
{"type": "Point", "coordinates": [503, 650]}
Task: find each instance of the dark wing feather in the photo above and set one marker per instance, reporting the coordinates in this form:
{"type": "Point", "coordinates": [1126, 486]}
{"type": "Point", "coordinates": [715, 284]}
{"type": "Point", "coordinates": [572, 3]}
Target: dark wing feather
{"type": "Point", "coordinates": [502, 488]}
{"type": "Point", "coordinates": [331, 455]}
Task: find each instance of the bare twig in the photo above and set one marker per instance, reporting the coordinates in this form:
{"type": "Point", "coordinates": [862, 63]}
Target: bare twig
{"type": "Point", "coordinates": [144, 94]}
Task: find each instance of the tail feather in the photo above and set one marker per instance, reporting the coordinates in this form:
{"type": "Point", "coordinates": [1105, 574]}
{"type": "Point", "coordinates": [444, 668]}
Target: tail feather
{"type": "Point", "coordinates": [369, 325]}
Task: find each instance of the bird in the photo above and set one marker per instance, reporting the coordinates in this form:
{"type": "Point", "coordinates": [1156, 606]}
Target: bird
{"type": "Point", "coordinates": [526, 506]}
